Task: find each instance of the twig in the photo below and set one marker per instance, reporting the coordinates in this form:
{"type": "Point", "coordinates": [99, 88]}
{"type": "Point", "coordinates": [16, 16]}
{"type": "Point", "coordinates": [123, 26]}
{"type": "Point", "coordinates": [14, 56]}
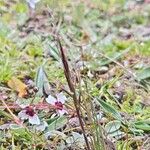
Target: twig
{"type": "Point", "coordinates": [72, 89]}
{"type": "Point", "coordinates": [16, 119]}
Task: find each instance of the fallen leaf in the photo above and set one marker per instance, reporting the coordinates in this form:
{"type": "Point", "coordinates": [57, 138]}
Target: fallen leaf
{"type": "Point", "coordinates": [18, 86]}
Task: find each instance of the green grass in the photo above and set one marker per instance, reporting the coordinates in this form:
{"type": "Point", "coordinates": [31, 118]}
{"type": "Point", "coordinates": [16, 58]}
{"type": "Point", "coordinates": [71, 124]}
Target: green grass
{"type": "Point", "coordinates": [91, 32]}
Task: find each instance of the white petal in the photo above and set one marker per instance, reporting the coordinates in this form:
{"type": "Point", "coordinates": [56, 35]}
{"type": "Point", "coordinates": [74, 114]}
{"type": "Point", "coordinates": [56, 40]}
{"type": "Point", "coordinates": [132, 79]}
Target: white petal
{"type": "Point", "coordinates": [47, 135]}
{"type": "Point", "coordinates": [62, 112]}
{"type": "Point", "coordinates": [51, 100]}
{"type": "Point", "coordinates": [61, 98]}
{"type": "Point", "coordinates": [36, 1]}
{"type": "Point", "coordinates": [32, 1]}
{"type": "Point", "coordinates": [22, 114]}
{"type": "Point", "coordinates": [32, 5]}
{"type": "Point", "coordinates": [34, 120]}
{"type": "Point", "coordinates": [42, 126]}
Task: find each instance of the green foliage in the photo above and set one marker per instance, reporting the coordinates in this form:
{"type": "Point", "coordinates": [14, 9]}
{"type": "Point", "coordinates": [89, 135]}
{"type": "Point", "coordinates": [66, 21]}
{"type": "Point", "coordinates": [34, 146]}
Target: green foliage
{"type": "Point", "coordinates": [94, 33]}
{"type": "Point", "coordinates": [20, 132]}
{"type": "Point", "coordinates": [143, 125]}
{"type": "Point", "coordinates": [21, 8]}
{"type": "Point", "coordinates": [42, 82]}
{"type": "Point", "coordinates": [6, 70]}
{"type": "Point", "coordinates": [143, 74]}
{"type": "Point", "coordinates": [57, 123]}
{"type": "Point", "coordinates": [110, 110]}
{"type": "Point", "coordinates": [34, 50]}
{"type": "Point", "coordinates": [112, 126]}
{"type": "Point", "coordinates": [78, 14]}
{"type": "Point", "coordinates": [144, 48]}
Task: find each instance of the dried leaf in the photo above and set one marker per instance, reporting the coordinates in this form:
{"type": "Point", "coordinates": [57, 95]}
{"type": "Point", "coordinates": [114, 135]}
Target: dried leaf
{"type": "Point", "coordinates": [18, 86]}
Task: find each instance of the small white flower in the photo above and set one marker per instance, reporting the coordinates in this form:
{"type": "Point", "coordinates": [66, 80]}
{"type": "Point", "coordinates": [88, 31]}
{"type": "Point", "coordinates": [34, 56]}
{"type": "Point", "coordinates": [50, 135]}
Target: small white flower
{"type": "Point", "coordinates": [58, 102]}
{"type": "Point", "coordinates": [28, 113]}
{"type": "Point", "coordinates": [32, 3]}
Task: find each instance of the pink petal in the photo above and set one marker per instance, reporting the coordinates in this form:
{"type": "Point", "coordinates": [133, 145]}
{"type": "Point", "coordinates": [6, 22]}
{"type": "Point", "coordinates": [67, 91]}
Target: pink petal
{"type": "Point", "coordinates": [34, 120]}
{"type": "Point", "coordinates": [51, 100]}
{"type": "Point", "coordinates": [62, 112]}
{"type": "Point", "coordinates": [61, 97]}
{"type": "Point", "coordinates": [22, 114]}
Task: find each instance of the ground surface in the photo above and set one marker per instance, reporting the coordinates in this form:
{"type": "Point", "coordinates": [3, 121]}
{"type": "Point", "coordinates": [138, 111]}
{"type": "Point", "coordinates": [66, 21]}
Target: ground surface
{"type": "Point", "coordinates": [107, 44]}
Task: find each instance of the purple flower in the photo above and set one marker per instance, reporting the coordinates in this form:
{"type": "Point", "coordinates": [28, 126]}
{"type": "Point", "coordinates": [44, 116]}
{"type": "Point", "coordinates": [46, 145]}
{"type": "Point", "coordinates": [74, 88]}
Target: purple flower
{"type": "Point", "coordinates": [58, 102]}
{"type": "Point", "coordinates": [29, 113]}
{"type": "Point", "coordinates": [32, 3]}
